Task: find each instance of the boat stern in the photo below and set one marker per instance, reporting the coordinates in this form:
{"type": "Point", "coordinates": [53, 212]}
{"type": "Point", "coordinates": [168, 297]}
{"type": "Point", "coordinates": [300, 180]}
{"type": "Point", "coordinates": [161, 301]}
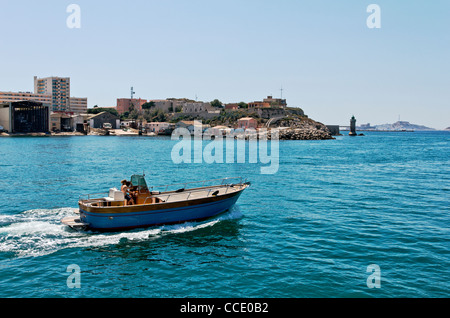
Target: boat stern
{"type": "Point", "coordinates": [75, 223]}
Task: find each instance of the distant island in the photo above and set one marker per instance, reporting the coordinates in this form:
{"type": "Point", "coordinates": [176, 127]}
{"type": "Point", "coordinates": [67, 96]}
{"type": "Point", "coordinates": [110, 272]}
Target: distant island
{"type": "Point", "coordinates": [397, 126]}
{"type": "Point", "coordinates": [448, 128]}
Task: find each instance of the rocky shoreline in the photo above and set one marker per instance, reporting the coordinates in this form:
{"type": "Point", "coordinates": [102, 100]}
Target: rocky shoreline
{"type": "Point", "coordinates": [290, 128]}
{"type": "Point", "coordinates": [304, 134]}
{"type": "Point", "coordinates": [303, 129]}
{"type": "Point", "coordinates": [283, 134]}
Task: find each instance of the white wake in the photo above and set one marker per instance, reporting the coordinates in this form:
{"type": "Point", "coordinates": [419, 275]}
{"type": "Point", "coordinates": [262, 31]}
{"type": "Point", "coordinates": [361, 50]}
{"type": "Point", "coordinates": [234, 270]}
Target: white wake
{"type": "Point", "coordinates": [39, 232]}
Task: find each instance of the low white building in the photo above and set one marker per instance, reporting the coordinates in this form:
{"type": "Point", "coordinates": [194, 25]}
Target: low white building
{"type": "Point", "coordinates": [126, 123]}
{"type": "Point", "coordinates": [157, 126]}
{"type": "Point", "coordinates": [219, 130]}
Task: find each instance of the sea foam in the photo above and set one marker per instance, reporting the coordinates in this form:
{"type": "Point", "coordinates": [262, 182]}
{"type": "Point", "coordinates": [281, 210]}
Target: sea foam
{"type": "Point", "coordinates": [39, 232]}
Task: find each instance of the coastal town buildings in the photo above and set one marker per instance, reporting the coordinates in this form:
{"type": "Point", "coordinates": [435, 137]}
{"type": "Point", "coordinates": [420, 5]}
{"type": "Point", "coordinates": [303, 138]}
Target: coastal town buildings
{"type": "Point", "coordinates": [258, 104]}
{"type": "Point", "coordinates": [126, 123]}
{"type": "Point", "coordinates": [60, 121]}
{"type": "Point", "coordinates": [166, 105]}
{"type": "Point", "coordinates": [53, 92]}
{"type": "Point", "coordinates": [187, 124]}
{"type": "Point", "coordinates": [197, 107]}
{"type": "Point", "coordinates": [275, 102]}
{"type": "Point", "coordinates": [66, 112]}
{"type": "Point", "coordinates": [219, 130]}
{"type": "Point", "coordinates": [59, 90]}
{"type": "Point", "coordinates": [124, 104]}
{"type": "Point", "coordinates": [247, 122]}
{"type": "Point", "coordinates": [6, 97]}
{"type": "Point", "coordinates": [231, 106]}
{"type": "Point", "coordinates": [268, 103]}
{"type": "Point", "coordinates": [97, 120]}
{"type": "Point", "coordinates": [24, 117]}
{"type": "Point", "coordinates": [78, 105]}
{"type": "Point", "coordinates": [156, 127]}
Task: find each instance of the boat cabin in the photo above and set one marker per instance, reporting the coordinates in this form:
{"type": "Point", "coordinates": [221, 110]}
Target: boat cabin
{"type": "Point", "coordinates": [139, 189]}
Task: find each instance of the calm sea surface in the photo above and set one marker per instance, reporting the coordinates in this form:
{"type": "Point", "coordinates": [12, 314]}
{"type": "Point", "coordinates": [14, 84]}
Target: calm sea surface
{"type": "Point", "coordinates": [310, 230]}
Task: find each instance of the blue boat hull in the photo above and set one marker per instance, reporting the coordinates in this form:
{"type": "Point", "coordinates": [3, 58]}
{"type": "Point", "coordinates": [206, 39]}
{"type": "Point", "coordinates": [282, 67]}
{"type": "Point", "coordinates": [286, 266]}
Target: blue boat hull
{"type": "Point", "coordinates": [128, 220]}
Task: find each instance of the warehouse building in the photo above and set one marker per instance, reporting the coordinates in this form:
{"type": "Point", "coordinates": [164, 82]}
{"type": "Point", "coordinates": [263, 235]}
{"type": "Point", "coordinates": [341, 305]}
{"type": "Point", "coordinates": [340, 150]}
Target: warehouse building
{"type": "Point", "coordinates": [24, 117]}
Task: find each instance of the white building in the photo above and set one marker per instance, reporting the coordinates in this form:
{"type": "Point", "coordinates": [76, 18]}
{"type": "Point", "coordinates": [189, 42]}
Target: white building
{"type": "Point", "coordinates": [157, 126]}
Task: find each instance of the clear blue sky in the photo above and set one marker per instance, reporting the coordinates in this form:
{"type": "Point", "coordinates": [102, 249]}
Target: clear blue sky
{"type": "Point", "coordinates": [322, 53]}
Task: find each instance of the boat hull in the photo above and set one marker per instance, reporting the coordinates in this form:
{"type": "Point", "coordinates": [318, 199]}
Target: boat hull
{"type": "Point", "coordinates": [150, 215]}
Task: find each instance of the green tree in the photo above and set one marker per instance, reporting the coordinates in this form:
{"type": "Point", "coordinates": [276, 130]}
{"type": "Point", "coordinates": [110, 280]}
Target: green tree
{"type": "Point", "coordinates": [134, 114]}
{"type": "Point", "coordinates": [148, 105]}
{"type": "Point", "coordinates": [124, 115]}
{"type": "Point", "coordinates": [161, 116]}
{"type": "Point", "coordinates": [243, 105]}
{"type": "Point", "coordinates": [217, 103]}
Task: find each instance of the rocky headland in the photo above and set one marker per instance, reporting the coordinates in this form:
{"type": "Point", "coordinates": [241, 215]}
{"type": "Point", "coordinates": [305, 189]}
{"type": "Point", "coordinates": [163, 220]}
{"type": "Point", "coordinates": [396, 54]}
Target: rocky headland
{"type": "Point", "coordinates": [302, 128]}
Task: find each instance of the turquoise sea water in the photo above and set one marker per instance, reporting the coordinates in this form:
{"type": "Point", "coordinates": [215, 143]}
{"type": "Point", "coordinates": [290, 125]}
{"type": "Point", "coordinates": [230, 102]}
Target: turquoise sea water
{"type": "Point", "coordinates": [310, 230]}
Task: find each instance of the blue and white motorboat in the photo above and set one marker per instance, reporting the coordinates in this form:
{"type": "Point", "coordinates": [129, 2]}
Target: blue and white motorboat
{"type": "Point", "coordinates": [176, 203]}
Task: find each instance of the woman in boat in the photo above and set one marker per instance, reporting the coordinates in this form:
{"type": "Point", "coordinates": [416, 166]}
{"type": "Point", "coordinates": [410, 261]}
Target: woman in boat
{"type": "Point", "coordinates": [125, 188]}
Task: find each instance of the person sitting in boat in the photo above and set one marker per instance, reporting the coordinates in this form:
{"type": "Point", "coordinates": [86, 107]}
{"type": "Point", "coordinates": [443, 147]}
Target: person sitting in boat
{"type": "Point", "coordinates": [125, 188]}
{"type": "Point", "coordinates": [132, 192]}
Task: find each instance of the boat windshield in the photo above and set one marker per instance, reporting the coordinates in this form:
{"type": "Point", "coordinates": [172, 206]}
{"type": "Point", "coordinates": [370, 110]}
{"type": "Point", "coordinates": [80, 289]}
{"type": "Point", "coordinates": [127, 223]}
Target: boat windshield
{"type": "Point", "coordinates": [139, 181]}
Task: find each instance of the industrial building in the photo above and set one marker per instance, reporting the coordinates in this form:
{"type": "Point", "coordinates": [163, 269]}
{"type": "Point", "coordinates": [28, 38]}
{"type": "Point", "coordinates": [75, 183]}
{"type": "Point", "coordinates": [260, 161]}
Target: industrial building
{"type": "Point", "coordinates": [97, 120]}
{"type": "Point", "coordinates": [24, 117]}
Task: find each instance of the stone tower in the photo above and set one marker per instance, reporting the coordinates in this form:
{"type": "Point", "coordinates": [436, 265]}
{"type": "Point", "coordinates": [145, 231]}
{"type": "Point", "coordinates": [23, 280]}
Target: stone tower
{"type": "Point", "coordinates": [352, 127]}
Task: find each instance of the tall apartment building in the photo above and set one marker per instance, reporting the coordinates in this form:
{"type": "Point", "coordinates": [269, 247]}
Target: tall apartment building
{"type": "Point", "coordinates": [59, 90]}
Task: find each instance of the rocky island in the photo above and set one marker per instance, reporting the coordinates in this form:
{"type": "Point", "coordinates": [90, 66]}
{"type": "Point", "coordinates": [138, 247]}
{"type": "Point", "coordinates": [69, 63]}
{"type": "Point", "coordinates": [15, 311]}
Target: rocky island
{"type": "Point", "coordinates": [402, 125]}
{"type": "Point", "coordinates": [293, 124]}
